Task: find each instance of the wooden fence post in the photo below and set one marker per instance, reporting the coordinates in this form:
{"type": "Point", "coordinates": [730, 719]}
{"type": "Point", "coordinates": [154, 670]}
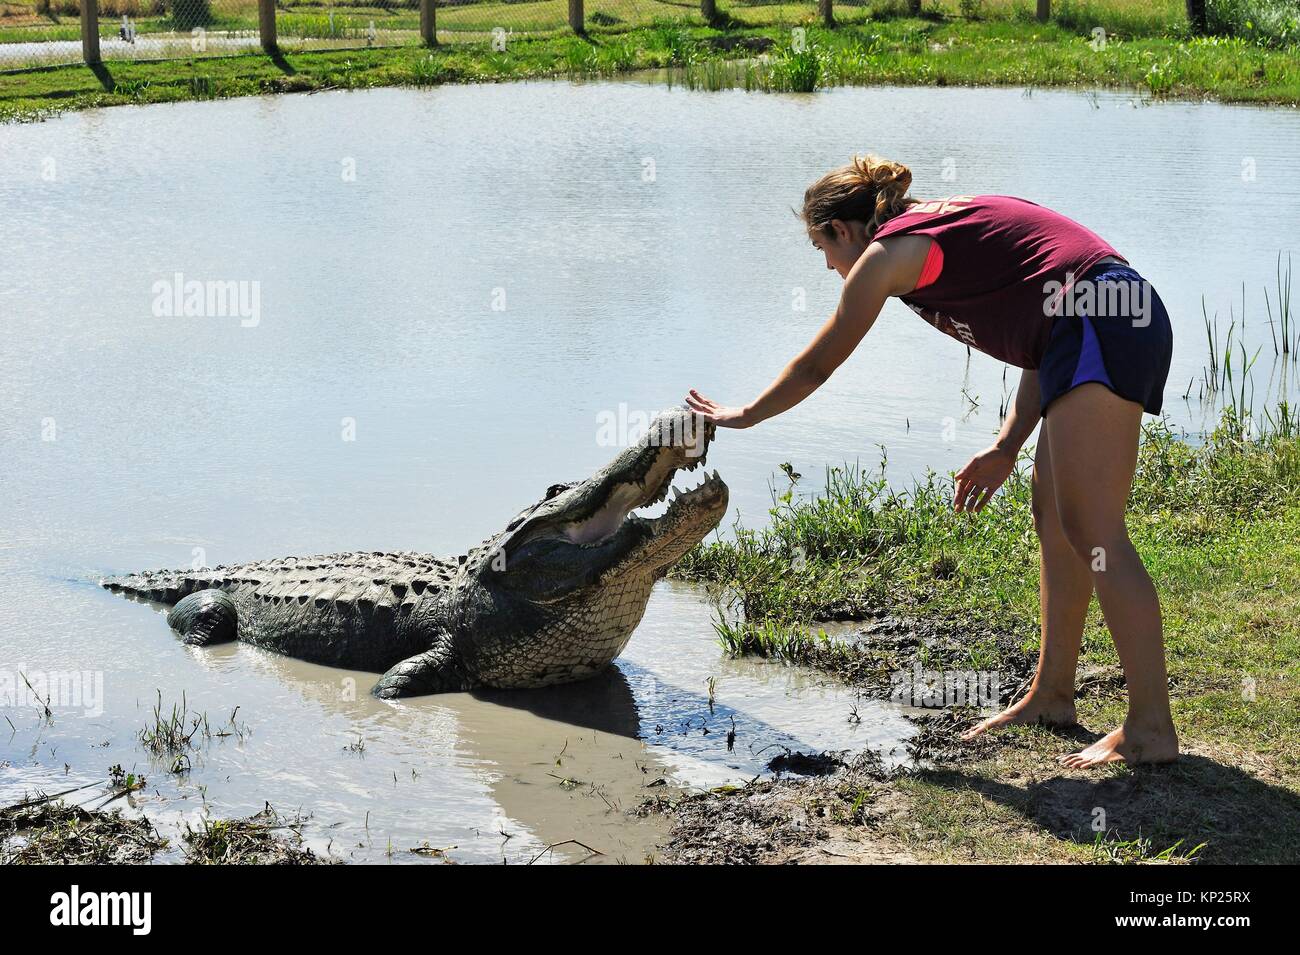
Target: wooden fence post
{"type": "Point", "coordinates": [428, 23]}
{"type": "Point", "coordinates": [266, 25]}
{"type": "Point", "coordinates": [827, 12]}
{"type": "Point", "coordinates": [576, 17]}
{"type": "Point", "coordinates": [90, 31]}
{"type": "Point", "coordinates": [1044, 10]}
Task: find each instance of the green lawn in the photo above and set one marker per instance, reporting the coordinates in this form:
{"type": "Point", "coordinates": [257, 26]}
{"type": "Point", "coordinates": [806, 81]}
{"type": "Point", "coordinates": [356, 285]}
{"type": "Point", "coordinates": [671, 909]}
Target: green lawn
{"type": "Point", "coordinates": [1107, 43]}
{"type": "Point", "coordinates": [894, 50]}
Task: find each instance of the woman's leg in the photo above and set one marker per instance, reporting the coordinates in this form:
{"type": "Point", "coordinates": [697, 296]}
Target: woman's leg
{"type": "Point", "coordinates": [1064, 590]}
{"type": "Point", "coordinates": [1094, 437]}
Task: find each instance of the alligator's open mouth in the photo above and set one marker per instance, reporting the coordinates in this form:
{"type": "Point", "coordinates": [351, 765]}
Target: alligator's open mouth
{"type": "Point", "coordinates": [597, 516]}
{"type": "Point", "coordinates": [625, 498]}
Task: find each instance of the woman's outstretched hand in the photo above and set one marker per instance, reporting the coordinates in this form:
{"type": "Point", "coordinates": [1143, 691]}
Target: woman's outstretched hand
{"type": "Point", "coordinates": [720, 415]}
{"type": "Point", "coordinates": [982, 475]}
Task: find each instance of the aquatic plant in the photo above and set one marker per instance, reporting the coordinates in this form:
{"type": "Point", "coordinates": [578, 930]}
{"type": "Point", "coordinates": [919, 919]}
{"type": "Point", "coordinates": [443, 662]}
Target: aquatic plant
{"type": "Point", "coordinates": [1267, 22]}
{"type": "Point", "coordinates": [1286, 326]}
{"type": "Point", "coordinates": [798, 71]}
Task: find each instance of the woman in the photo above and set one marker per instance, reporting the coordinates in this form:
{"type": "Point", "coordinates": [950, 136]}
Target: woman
{"type": "Point", "coordinates": [1037, 290]}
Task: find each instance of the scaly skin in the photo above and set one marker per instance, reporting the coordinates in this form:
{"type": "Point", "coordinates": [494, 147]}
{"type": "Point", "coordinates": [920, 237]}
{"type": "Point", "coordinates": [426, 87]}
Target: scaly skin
{"type": "Point", "coordinates": [553, 598]}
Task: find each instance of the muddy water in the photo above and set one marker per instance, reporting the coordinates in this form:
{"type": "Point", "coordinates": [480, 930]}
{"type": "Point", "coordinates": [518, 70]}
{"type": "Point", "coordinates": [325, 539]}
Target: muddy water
{"type": "Point", "coordinates": [464, 295]}
{"type": "Point", "coordinates": [495, 775]}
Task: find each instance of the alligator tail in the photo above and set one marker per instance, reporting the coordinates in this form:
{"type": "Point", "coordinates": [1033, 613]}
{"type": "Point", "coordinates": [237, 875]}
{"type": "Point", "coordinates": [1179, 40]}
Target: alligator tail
{"type": "Point", "coordinates": [163, 586]}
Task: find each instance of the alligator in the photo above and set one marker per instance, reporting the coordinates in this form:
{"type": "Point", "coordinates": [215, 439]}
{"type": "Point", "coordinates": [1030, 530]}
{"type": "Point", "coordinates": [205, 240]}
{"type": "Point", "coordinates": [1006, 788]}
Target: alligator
{"type": "Point", "coordinates": [551, 599]}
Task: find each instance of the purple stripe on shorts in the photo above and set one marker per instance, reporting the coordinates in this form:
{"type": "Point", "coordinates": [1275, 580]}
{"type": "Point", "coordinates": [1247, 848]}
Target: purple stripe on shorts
{"type": "Point", "coordinates": [1090, 366]}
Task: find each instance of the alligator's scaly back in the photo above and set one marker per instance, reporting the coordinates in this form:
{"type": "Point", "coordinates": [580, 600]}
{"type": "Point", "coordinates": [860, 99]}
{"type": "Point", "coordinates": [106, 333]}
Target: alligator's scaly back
{"type": "Point", "coordinates": [367, 610]}
{"type": "Point", "coordinates": [364, 577]}
{"type": "Point", "coordinates": [553, 597]}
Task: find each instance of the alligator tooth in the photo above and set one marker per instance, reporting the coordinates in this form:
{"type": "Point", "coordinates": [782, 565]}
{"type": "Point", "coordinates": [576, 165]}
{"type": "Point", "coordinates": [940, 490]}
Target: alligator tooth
{"type": "Point", "coordinates": [677, 492]}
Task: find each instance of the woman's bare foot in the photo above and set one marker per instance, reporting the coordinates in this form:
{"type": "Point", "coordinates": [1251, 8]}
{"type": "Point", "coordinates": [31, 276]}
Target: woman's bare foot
{"type": "Point", "coordinates": [1128, 744]}
{"type": "Point", "coordinates": [1034, 709]}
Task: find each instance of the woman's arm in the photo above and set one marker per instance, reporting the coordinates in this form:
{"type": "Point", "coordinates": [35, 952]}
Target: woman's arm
{"type": "Point", "coordinates": [989, 470]}
{"type": "Point", "coordinates": [885, 269]}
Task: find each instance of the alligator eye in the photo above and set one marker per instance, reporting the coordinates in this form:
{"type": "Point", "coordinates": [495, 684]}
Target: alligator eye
{"type": "Point", "coordinates": [555, 489]}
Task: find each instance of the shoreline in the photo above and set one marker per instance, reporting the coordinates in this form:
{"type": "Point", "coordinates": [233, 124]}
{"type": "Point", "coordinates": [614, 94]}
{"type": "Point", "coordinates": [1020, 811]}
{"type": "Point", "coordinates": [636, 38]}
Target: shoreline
{"type": "Point", "coordinates": [1219, 529]}
{"type": "Point", "coordinates": [896, 51]}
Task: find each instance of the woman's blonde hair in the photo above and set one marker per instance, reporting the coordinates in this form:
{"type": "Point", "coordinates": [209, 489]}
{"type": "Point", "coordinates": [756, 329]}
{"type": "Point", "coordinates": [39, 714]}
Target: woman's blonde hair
{"type": "Point", "coordinates": [870, 189]}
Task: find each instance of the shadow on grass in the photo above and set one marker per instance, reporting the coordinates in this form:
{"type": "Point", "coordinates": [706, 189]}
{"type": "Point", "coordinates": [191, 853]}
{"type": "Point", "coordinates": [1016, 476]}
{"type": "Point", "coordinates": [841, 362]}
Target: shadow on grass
{"type": "Point", "coordinates": [1238, 817]}
{"type": "Point", "coordinates": [105, 78]}
{"type": "Point", "coordinates": [283, 65]}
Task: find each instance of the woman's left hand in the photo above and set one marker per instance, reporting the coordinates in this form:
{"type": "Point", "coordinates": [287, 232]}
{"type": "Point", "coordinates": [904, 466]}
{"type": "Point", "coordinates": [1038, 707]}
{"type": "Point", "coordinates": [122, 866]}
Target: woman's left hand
{"type": "Point", "coordinates": [982, 475]}
{"type": "Point", "coordinates": [721, 415]}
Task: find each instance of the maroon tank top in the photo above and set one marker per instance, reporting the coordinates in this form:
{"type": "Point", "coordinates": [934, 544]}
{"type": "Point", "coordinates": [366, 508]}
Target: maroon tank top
{"type": "Point", "coordinates": [1004, 260]}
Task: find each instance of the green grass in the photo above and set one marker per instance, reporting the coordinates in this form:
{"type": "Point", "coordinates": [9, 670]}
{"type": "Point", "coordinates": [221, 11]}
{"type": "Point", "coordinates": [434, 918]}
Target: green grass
{"type": "Point", "coordinates": [860, 545]}
{"type": "Point", "coordinates": [1147, 50]}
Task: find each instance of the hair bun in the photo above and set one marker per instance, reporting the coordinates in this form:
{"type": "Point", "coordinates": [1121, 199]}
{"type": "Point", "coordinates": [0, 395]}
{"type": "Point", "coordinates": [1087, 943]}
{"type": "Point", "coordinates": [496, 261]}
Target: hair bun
{"type": "Point", "coordinates": [881, 173]}
{"type": "Point", "coordinates": [870, 189]}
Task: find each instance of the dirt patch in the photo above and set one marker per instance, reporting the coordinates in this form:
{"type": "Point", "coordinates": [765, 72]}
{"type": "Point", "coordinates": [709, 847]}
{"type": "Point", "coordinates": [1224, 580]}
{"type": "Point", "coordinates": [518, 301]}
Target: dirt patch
{"type": "Point", "coordinates": [1004, 799]}
{"type": "Point", "coordinates": [1211, 806]}
{"type": "Point", "coordinates": [886, 653]}
{"type": "Point", "coordinates": [266, 838]}
{"type": "Point", "coordinates": [1001, 797]}
{"type": "Point", "coordinates": [54, 833]}
{"type": "Point", "coordinates": [811, 819]}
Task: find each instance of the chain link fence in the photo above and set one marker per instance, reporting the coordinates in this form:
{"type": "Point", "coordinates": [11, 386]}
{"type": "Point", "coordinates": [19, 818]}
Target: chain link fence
{"type": "Point", "coordinates": [48, 32]}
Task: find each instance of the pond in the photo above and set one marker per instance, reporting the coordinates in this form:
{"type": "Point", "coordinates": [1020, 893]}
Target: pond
{"type": "Point", "coordinates": [444, 301]}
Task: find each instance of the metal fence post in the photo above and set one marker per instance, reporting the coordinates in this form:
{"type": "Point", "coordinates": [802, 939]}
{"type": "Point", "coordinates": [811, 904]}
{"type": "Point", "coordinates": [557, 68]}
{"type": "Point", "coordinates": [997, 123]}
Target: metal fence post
{"type": "Point", "coordinates": [90, 31]}
{"type": "Point", "coordinates": [826, 11]}
{"type": "Point", "coordinates": [266, 25]}
{"type": "Point", "coordinates": [576, 17]}
{"type": "Point", "coordinates": [1044, 10]}
{"type": "Point", "coordinates": [428, 23]}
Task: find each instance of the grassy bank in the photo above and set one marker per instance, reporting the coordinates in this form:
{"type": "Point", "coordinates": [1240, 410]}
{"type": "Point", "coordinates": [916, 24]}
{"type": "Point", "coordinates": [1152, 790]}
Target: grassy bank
{"type": "Point", "coordinates": [1218, 525]}
{"type": "Point", "coordinates": [1146, 48]}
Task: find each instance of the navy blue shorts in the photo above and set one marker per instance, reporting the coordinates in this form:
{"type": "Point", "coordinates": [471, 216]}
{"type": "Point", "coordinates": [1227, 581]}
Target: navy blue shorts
{"type": "Point", "coordinates": [1114, 329]}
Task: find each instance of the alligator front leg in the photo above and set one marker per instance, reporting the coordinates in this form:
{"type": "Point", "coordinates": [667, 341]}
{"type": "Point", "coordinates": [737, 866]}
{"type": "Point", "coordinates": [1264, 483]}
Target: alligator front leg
{"type": "Point", "coordinates": [205, 617]}
{"type": "Point", "coordinates": [433, 671]}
